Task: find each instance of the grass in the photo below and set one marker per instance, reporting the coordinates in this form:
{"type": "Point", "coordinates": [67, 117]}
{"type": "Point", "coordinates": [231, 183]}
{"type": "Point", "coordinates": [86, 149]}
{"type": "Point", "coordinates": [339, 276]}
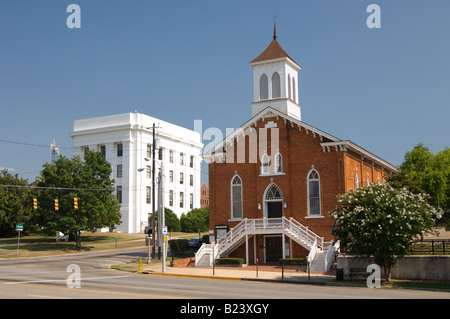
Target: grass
{"type": "Point", "coordinates": [418, 284]}
{"type": "Point", "coordinates": [37, 245]}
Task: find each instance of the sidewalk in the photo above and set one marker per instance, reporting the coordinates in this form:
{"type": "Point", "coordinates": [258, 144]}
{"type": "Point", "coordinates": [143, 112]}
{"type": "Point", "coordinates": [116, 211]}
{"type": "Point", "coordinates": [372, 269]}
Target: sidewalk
{"type": "Point", "coordinates": [265, 273]}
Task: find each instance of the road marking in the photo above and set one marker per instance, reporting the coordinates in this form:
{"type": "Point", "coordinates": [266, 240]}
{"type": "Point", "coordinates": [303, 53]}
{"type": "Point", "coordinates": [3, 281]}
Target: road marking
{"type": "Point", "coordinates": [47, 297]}
{"type": "Point", "coordinates": [56, 280]}
{"type": "Point", "coordinates": [102, 291]}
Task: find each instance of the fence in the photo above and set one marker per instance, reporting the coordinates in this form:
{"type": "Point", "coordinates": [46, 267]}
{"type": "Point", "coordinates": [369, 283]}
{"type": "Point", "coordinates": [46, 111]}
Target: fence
{"type": "Point", "coordinates": [431, 247]}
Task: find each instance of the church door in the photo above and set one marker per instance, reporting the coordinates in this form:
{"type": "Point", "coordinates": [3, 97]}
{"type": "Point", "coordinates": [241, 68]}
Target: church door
{"type": "Point", "coordinates": [273, 249]}
{"type": "Point", "coordinates": [275, 209]}
{"type": "Point", "coordinates": [273, 202]}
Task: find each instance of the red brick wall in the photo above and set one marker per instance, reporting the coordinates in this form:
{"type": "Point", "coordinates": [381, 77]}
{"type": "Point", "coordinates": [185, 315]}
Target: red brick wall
{"type": "Point", "coordinates": [301, 150]}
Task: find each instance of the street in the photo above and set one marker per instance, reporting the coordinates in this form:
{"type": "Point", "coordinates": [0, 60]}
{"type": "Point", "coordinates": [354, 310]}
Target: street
{"type": "Point", "coordinates": [49, 278]}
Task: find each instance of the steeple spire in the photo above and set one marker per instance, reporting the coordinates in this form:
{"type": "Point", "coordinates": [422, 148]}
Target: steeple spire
{"type": "Point", "coordinates": [274, 27]}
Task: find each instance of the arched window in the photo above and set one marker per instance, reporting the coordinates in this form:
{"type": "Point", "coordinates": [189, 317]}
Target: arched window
{"type": "Point", "coordinates": [263, 87]}
{"type": "Point", "coordinates": [273, 193]}
{"type": "Point", "coordinates": [265, 164]}
{"type": "Point", "coordinates": [278, 163]}
{"type": "Point", "coordinates": [236, 197]}
{"type": "Point", "coordinates": [356, 179]}
{"type": "Point", "coordinates": [276, 85]}
{"type": "Point", "coordinates": [289, 86]}
{"type": "Point", "coordinates": [313, 193]}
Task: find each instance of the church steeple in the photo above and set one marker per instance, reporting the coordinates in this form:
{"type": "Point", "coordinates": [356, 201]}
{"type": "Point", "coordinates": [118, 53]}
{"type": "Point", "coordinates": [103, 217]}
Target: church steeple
{"type": "Point", "coordinates": [275, 79]}
{"type": "Point", "coordinates": [275, 28]}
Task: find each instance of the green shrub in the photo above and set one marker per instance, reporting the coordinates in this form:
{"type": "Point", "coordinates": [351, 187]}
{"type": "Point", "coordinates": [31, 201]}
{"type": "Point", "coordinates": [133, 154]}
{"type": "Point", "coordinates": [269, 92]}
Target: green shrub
{"type": "Point", "coordinates": [293, 261]}
{"type": "Point", "coordinates": [229, 261]}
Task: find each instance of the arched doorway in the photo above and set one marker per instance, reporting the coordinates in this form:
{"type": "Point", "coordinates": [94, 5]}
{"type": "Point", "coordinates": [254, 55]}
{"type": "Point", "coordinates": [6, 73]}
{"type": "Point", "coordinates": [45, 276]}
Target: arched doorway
{"type": "Point", "coordinates": [273, 202]}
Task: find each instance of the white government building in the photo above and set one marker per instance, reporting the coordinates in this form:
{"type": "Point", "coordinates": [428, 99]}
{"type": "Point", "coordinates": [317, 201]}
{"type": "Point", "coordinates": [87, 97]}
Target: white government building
{"type": "Point", "coordinates": [126, 140]}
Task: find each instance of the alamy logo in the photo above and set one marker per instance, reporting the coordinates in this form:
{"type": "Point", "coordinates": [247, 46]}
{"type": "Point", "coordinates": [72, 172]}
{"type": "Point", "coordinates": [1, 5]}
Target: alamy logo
{"type": "Point", "coordinates": [233, 148]}
{"type": "Point", "coordinates": [374, 279]}
{"type": "Point", "coordinates": [374, 19]}
{"type": "Point", "coordinates": [74, 279]}
{"type": "Point", "coordinates": [74, 20]}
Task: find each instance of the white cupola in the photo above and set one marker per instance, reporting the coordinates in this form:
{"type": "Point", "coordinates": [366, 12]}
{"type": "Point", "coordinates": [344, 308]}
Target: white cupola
{"type": "Point", "coordinates": [275, 80]}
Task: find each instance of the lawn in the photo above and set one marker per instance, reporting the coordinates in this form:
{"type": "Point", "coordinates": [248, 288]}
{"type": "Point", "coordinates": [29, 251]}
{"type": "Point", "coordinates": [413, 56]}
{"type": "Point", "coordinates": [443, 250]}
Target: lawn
{"type": "Point", "coordinates": [36, 245]}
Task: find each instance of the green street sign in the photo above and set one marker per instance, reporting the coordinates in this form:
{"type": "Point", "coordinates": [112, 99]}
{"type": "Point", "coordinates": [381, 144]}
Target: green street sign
{"type": "Point", "coordinates": [19, 226]}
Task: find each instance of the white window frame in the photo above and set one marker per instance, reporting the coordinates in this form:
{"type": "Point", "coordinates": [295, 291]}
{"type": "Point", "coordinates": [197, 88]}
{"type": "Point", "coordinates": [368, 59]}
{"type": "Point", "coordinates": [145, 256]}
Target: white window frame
{"type": "Point", "coordinates": [232, 215]}
{"type": "Point", "coordinates": [308, 179]}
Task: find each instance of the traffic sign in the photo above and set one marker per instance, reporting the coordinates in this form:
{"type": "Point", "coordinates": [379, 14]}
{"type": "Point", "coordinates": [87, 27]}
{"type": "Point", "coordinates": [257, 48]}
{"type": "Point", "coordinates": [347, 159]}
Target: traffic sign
{"type": "Point", "coordinates": [19, 227]}
{"type": "Point", "coordinates": [164, 232]}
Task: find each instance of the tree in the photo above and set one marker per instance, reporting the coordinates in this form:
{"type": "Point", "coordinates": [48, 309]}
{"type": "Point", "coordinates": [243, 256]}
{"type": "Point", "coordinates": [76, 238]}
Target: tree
{"type": "Point", "coordinates": [16, 204]}
{"type": "Point", "coordinates": [381, 222]}
{"type": "Point", "coordinates": [424, 172]}
{"type": "Point", "coordinates": [88, 181]}
{"type": "Point", "coordinates": [170, 220]}
{"type": "Point", "coordinates": [195, 220]}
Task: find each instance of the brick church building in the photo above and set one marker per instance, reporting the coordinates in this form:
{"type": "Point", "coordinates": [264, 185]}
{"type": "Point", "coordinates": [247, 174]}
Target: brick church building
{"type": "Point", "coordinates": [273, 181]}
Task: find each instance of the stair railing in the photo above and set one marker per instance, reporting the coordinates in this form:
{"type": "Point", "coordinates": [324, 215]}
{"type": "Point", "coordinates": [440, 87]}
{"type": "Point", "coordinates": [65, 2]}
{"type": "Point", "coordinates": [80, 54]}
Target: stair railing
{"type": "Point", "coordinates": [238, 232]}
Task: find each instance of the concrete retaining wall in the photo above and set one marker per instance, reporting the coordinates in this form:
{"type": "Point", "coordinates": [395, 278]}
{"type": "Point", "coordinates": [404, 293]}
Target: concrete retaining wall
{"type": "Point", "coordinates": [408, 267]}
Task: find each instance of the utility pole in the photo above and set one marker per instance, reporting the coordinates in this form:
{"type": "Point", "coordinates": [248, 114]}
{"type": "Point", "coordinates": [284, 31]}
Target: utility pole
{"type": "Point", "coordinates": [153, 192]}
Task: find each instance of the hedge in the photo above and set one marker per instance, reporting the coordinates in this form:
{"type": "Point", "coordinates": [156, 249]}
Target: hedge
{"type": "Point", "coordinates": [293, 261]}
{"type": "Point", "coordinates": [229, 261]}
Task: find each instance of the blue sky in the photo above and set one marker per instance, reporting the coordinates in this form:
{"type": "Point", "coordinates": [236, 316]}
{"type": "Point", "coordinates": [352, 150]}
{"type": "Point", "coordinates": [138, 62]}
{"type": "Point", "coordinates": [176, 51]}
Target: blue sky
{"type": "Point", "coordinates": [385, 89]}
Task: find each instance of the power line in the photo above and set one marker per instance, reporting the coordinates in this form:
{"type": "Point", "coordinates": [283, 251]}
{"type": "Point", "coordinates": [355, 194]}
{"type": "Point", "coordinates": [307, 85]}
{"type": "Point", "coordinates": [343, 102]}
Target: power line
{"type": "Point", "coordinates": [30, 144]}
{"type": "Point", "coordinates": [60, 188]}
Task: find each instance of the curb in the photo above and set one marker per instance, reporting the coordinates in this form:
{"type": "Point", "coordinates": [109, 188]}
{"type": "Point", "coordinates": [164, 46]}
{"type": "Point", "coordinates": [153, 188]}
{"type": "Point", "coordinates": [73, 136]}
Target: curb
{"type": "Point", "coordinates": [284, 281]}
{"type": "Point", "coordinates": [188, 275]}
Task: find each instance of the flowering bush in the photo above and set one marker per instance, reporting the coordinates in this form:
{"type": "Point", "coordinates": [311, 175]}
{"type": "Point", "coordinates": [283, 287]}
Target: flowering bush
{"type": "Point", "coordinates": [381, 222]}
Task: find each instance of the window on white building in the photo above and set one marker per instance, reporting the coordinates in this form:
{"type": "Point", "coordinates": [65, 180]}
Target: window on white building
{"type": "Point", "coordinates": [171, 198]}
{"type": "Point", "coordinates": [181, 199]}
{"type": "Point", "coordinates": [263, 87]}
{"type": "Point", "coordinates": [191, 201]}
{"type": "Point", "coordinates": [119, 194]}
{"type": "Point", "coordinates": [181, 178]}
{"type": "Point", "coordinates": [276, 86]}
{"type": "Point", "coordinates": [148, 195]}
{"type": "Point", "coordinates": [119, 170]}
{"type": "Point", "coordinates": [120, 149]}
{"type": "Point", "coordinates": [103, 150]}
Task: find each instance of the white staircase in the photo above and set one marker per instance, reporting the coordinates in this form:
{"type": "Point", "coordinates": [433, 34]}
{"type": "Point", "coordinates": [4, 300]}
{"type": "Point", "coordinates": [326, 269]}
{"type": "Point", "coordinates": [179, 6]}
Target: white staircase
{"type": "Point", "coordinates": [317, 257]}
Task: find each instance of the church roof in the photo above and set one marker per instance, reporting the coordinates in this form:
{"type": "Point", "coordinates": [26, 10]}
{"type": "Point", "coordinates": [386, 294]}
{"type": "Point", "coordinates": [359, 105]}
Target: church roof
{"type": "Point", "coordinates": [327, 141]}
{"type": "Point", "coordinates": [273, 51]}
